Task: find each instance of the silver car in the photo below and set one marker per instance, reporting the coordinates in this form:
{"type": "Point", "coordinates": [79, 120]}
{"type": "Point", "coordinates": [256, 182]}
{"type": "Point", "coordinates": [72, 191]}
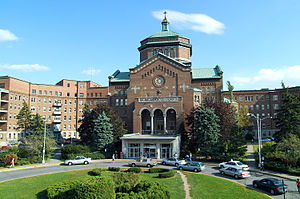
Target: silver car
{"type": "Point", "coordinates": [192, 166]}
{"type": "Point", "coordinates": [236, 173]}
{"type": "Point", "coordinates": [146, 162]}
{"type": "Point", "coordinates": [173, 161]}
{"type": "Point", "coordinates": [78, 160]}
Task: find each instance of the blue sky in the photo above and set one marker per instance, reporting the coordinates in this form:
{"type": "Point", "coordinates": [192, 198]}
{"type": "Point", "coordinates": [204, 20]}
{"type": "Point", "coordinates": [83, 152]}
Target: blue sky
{"type": "Point", "coordinates": [255, 42]}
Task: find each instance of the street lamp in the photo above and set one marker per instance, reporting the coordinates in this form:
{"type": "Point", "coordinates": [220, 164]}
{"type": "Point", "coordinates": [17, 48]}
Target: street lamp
{"type": "Point", "coordinates": [259, 134]}
{"type": "Point", "coordinates": [43, 162]}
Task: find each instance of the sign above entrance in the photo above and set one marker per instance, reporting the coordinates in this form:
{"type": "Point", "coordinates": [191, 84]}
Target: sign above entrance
{"type": "Point", "coordinates": [158, 99]}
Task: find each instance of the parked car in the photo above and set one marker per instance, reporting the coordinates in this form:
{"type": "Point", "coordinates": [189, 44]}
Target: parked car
{"type": "Point", "coordinates": [273, 185]}
{"type": "Point", "coordinates": [235, 164]}
{"type": "Point", "coordinates": [172, 161]}
{"type": "Point", "coordinates": [78, 160]}
{"type": "Point", "coordinates": [192, 166]}
{"type": "Point", "coordinates": [145, 162]}
{"type": "Point", "coordinates": [236, 173]}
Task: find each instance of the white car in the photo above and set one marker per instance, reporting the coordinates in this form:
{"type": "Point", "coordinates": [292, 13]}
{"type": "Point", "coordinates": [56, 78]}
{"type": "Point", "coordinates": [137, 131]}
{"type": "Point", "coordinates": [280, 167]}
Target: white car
{"type": "Point", "coordinates": [78, 160]}
{"type": "Point", "coordinates": [234, 164]}
{"type": "Point", "coordinates": [173, 161]}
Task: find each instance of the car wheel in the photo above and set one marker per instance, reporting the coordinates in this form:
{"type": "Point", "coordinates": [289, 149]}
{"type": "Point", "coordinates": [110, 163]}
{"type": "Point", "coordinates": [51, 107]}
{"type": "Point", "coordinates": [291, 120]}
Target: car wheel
{"type": "Point", "coordinates": [70, 163]}
{"type": "Point", "coordinates": [222, 172]}
{"type": "Point", "coordinates": [176, 165]}
{"type": "Point", "coordinates": [180, 168]}
{"type": "Point", "coordinates": [236, 176]}
{"type": "Point", "coordinates": [255, 185]}
{"type": "Point", "coordinates": [133, 165]}
{"type": "Point", "coordinates": [272, 192]}
{"type": "Point", "coordinates": [196, 170]}
{"type": "Point", "coordinates": [148, 165]}
{"type": "Point", "coordinates": [85, 162]}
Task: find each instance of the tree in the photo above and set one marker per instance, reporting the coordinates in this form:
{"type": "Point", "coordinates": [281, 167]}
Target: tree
{"type": "Point", "coordinates": [33, 144]}
{"type": "Point", "coordinates": [37, 125]}
{"type": "Point", "coordinates": [230, 89]}
{"type": "Point", "coordinates": [24, 118]}
{"type": "Point", "coordinates": [87, 126]}
{"type": "Point", "coordinates": [226, 115]}
{"type": "Point", "coordinates": [206, 127]}
{"type": "Point", "coordinates": [288, 116]}
{"type": "Point", "coordinates": [244, 118]}
{"type": "Point", "coordinates": [102, 131]}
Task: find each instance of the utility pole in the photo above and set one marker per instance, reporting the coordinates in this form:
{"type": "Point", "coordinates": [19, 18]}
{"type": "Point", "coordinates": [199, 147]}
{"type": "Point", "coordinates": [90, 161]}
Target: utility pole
{"type": "Point", "coordinates": [43, 162]}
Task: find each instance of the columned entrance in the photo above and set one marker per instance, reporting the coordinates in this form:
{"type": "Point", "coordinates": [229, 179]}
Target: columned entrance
{"type": "Point", "coordinates": [166, 151]}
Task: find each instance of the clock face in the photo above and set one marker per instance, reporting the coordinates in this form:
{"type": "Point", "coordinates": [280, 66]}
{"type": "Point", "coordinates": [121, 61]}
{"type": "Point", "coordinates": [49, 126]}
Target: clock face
{"type": "Point", "coordinates": [158, 81]}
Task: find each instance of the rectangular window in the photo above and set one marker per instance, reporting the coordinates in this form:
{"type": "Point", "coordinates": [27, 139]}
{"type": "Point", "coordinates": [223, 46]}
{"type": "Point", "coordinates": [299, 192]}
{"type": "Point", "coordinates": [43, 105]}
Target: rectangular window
{"type": "Point", "coordinates": [275, 97]}
{"type": "Point", "coordinates": [40, 92]}
{"type": "Point", "coordinates": [251, 98]}
{"type": "Point", "coordinates": [262, 98]}
{"type": "Point", "coordinates": [96, 94]}
{"type": "Point", "coordinates": [33, 91]}
{"type": "Point", "coordinates": [49, 109]}
{"type": "Point", "coordinates": [213, 90]}
{"type": "Point", "coordinates": [45, 100]}
{"type": "Point", "coordinates": [208, 90]}
{"type": "Point", "coordinates": [44, 109]}
{"type": "Point", "coordinates": [70, 102]}
{"type": "Point", "coordinates": [50, 101]}
{"type": "Point", "coordinates": [257, 107]}
{"type": "Point", "coordinates": [88, 95]}
{"type": "Point", "coordinates": [203, 90]}
{"type": "Point", "coordinates": [256, 98]}
{"type": "Point", "coordinates": [81, 85]}
{"type": "Point", "coordinates": [251, 107]}
{"type": "Point", "coordinates": [92, 94]}
{"type": "Point", "coordinates": [60, 93]}
{"type": "Point", "coordinates": [125, 101]}
{"type": "Point", "coordinates": [121, 102]}
{"type": "Point", "coordinates": [117, 102]}
{"type": "Point", "coordinates": [81, 95]}
{"type": "Point", "coordinates": [45, 92]}
{"type": "Point", "coordinates": [276, 107]}
{"type": "Point", "coordinates": [241, 98]}
{"type": "Point", "coordinates": [262, 107]}
{"type": "Point", "coordinates": [2, 85]}
{"type": "Point", "coordinates": [33, 99]}
{"type": "Point", "coordinates": [100, 94]}
{"type": "Point", "coordinates": [70, 110]}
{"type": "Point", "coordinates": [65, 118]}
{"type": "Point", "coordinates": [268, 106]}
{"type": "Point", "coordinates": [50, 92]}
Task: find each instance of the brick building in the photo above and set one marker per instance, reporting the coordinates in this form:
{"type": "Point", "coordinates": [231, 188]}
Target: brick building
{"type": "Point", "coordinates": [60, 105]}
{"type": "Point", "coordinates": [153, 96]}
{"type": "Point", "coordinates": [262, 103]}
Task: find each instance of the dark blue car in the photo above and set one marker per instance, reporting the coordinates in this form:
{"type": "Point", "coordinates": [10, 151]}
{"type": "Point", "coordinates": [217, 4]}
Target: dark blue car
{"type": "Point", "coordinates": [271, 185]}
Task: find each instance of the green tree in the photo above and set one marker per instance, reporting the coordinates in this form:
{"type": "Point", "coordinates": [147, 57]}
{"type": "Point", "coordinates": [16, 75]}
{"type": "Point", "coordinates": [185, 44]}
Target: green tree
{"type": "Point", "coordinates": [288, 116]}
{"type": "Point", "coordinates": [244, 118]}
{"type": "Point", "coordinates": [230, 89]}
{"type": "Point", "coordinates": [206, 128]}
{"type": "Point", "coordinates": [102, 131]}
{"type": "Point", "coordinates": [24, 118]}
{"type": "Point", "coordinates": [37, 125]}
{"type": "Point", "coordinates": [87, 126]}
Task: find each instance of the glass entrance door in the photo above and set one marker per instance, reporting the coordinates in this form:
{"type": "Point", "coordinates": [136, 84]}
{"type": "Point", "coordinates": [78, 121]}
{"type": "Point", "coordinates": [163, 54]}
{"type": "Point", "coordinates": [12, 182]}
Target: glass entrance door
{"type": "Point", "coordinates": [166, 151]}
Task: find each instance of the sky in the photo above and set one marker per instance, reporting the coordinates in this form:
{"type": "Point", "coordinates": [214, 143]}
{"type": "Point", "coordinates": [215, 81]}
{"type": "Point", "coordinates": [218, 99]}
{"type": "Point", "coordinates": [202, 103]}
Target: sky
{"type": "Point", "coordinates": [255, 42]}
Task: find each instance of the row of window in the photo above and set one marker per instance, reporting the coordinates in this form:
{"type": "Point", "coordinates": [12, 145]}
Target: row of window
{"type": "Point", "coordinates": [17, 97]}
{"type": "Point", "coordinates": [94, 95]}
{"type": "Point", "coordinates": [121, 92]}
{"type": "Point", "coordinates": [262, 107]}
{"type": "Point", "coordinates": [167, 51]}
{"type": "Point", "coordinates": [96, 102]}
{"type": "Point", "coordinates": [251, 98]}
{"type": "Point", "coordinates": [123, 102]}
{"type": "Point", "coordinates": [208, 90]}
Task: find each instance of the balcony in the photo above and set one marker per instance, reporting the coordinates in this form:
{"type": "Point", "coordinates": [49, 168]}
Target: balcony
{"type": "Point", "coordinates": [57, 104]}
{"type": "Point", "coordinates": [57, 120]}
{"type": "Point", "coordinates": [57, 112]}
{"type": "Point", "coordinates": [3, 120]}
{"type": "Point", "coordinates": [3, 110]}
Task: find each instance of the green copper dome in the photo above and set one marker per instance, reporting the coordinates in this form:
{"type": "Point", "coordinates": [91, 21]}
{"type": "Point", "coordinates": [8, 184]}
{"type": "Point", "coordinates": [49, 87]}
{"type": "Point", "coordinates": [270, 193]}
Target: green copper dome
{"type": "Point", "coordinates": [165, 34]}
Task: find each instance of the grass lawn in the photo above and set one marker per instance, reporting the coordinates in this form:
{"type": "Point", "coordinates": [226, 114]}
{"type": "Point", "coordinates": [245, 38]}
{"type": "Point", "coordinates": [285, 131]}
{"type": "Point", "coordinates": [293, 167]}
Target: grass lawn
{"type": "Point", "coordinates": [33, 187]}
{"type": "Point", "coordinates": [203, 186]}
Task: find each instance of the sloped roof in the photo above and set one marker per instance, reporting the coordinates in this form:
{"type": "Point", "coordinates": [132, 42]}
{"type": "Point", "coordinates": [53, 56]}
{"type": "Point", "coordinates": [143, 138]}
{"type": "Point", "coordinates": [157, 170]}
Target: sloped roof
{"type": "Point", "coordinates": [205, 73]}
{"type": "Point", "coordinates": [165, 34]}
{"type": "Point", "coordinates": [119, 76]}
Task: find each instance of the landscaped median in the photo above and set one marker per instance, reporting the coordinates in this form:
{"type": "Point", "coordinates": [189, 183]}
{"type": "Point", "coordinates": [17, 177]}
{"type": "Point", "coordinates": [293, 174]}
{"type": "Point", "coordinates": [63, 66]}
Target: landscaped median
{"type": "Point", "coordinates": [124, 181]}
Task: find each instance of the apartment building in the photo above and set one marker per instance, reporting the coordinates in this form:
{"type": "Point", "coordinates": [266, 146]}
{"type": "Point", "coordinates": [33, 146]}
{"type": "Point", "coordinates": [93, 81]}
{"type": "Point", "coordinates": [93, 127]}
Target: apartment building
{"type": "Point", "coordinates": [264, 104]}
{"type": "Point", "coordinates": [60, 105]}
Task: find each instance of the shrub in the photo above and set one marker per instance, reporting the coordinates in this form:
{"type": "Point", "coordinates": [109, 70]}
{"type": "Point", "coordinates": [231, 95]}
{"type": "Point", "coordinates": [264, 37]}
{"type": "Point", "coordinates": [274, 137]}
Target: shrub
{"type": "Point", "coordinates": [95, 188]}
{"type": "Point", "coordinates": [131, 178]}
{"type": "Point", "coordinates": [148, 190]}
{"type": "Point", "coordinates": [8, 157]}
{"type": "Point", "coordinates": [135, 170]}
{"type": "Point", "coordinates": [23, 161]}
{"type": "Point", "coordinates": [114, 168]}
{"type": "Point", "coordinates": [168, 174]}
{"type": "Point", "coordinates": [95, 172]}
{"type": "Point", "coordinates": [158, 170]}
{"type": "Point", "coordinates": [71, 151]}
{"type": "Point", "coordinates": [60, 190]}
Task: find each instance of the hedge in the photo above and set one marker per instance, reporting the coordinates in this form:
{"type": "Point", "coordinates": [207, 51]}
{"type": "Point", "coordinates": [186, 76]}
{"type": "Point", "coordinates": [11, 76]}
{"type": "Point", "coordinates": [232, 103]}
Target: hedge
{"type": "Point", "coordinates": [114, 168]}
{"type": "Point", "coordinates": [168, 174]}
{"type": "Point", "coordinates": [158, 170]}
{"type": "Point", "coordinates": [68, 151]}
{"type": "Point", "coordinates": [95, 172]}
{"type": "Point", "coordinates": [60, 190]}
{"type": "Point", "coordinates": [135, 170]}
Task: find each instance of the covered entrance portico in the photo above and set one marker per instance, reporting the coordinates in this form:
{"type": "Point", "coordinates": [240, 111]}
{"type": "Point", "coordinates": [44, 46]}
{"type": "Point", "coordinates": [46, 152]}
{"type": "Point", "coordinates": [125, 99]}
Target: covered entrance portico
{"type": "Point", "coordinates": [158, 147]}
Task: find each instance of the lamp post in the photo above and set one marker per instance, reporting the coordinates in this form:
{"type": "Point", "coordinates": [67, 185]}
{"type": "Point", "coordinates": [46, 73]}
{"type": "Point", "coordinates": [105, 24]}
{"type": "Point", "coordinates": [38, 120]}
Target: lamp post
{"type": "Point", "coordinates": [259, 134]}
{"type": "Point", "coordinates": [43, 162]}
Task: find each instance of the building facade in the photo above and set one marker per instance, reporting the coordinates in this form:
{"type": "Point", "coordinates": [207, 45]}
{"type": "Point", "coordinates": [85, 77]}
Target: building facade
{"type": "Point", "coordinates": [264, 104]}
{"type": "Point", "coordinates": [60, 105]}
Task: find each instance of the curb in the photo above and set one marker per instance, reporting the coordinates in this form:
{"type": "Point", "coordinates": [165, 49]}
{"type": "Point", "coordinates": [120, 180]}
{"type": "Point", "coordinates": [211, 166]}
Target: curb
{"type": "Point", "coordinates": [275, 175]}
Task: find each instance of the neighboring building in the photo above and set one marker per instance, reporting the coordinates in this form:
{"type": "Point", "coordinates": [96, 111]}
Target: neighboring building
{"type": "Point", "coordinates": [153, 96]}
{"type": "Point", "coordinates": [60, 105]}
{"type": "Point", "coordinates": [262, 103]}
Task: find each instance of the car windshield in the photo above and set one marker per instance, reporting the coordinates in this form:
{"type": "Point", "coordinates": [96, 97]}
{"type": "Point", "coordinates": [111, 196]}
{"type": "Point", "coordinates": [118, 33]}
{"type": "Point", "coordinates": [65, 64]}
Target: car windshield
{"type": "Point", "coordinates": [239, 163]}
{"type": "Point", "coordinates": [277, 182]}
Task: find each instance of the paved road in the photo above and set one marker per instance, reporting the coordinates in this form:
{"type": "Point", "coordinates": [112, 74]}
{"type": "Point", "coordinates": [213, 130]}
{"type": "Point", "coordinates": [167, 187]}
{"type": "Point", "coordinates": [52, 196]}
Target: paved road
{"type": "Point", "coordinates": [210, 170]}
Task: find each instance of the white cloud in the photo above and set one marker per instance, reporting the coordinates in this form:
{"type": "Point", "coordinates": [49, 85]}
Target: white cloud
{"type": "Point", "coordinates": [196, 22]}
{"type": "Point", "coordinates": [91, 72]}
{"type": "Point", "coordinates": [269, 78]}
{"type": "Point", "coordinates": [6, 35]}
{"type": "Point", "coordinates": [25, 67]}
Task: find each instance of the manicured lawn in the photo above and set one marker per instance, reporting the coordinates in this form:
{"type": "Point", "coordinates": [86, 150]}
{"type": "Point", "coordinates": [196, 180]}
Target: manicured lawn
{"type": "Point", "coordinates": [203, 186]}
{"type": "Point", "coordinates": [34, 187]}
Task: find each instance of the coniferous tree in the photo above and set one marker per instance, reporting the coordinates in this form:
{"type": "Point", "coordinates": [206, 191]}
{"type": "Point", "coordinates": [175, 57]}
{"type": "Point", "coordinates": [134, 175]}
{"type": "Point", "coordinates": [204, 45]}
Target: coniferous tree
{"type": "Point", "coordinates": [206, 128]}
{"type": "Point", "coordinates": [102, 131]}
{"type": "Point", "coordinates": [37, 125]}
{"type": "Point", "coordinates": [288, 116]}
{"type": "Point", "coordinates": [24, 118]}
